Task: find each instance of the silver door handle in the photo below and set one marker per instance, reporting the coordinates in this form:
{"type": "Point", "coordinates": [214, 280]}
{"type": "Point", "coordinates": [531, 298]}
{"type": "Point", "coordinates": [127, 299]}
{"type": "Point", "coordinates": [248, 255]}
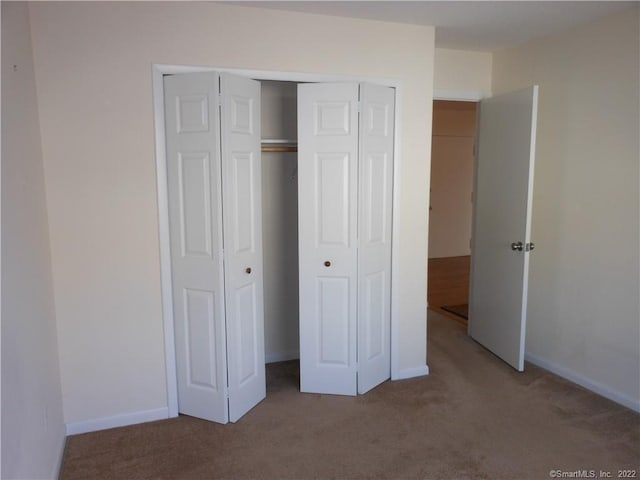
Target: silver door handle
{"type": "Point", "coordinates": [529, 246]}
{"type": "Point", "coordinates": [517, 246]}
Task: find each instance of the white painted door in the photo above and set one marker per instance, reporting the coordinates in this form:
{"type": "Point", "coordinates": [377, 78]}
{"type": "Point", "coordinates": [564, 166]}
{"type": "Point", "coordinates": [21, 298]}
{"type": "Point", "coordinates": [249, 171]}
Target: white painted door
{"type": "Point", "coordinates": [501, 240]}
{"type": "Point", "coordinates": [374, 226]}
{"type": "Point", "coordinates": [242, 200]}
{"type": "Point", "coordinates": [327, 210]}
{"type": "Point", "coordinates": [192, 126]}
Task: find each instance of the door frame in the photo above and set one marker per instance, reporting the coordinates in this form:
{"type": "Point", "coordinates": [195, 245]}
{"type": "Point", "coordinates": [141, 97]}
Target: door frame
{"type": "Point", "coordinates": [158, 71]}
{"type": "Point", "coordinates": [459, 96]}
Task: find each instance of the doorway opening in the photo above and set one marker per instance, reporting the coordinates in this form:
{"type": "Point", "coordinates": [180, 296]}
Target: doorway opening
{"type": "Point", "coordinates": [451, 207]}
{"type": "Point", "coordinates": [188, 104]}
{"type": "Point", "coordinates": [501, 243]}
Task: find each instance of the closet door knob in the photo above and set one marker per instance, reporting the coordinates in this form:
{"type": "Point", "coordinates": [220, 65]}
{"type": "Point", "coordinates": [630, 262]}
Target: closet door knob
{"type": "Point", "coordinates": [327, 263]}
{"type": "Point", "coordinates": [248, 270]}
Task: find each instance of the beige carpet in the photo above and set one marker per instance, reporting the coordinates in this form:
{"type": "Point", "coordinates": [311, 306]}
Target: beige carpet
{"type": "Point", "coordinates": [473, 417]}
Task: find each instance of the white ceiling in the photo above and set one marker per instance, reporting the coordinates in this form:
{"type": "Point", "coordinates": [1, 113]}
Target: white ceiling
{"type": "Point", "coordinates": [466, 25]}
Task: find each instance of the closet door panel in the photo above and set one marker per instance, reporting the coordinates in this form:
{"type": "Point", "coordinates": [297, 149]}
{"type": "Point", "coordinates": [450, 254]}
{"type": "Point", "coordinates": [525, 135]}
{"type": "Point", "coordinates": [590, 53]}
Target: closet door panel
{"type": "Point", "coordinates": [195, 228]}
{"type": "Point", "coordinates": [374, 253]}
{"type": "Point", "coordinates": [332, 201]}
{"type": "Point", "coordinates": [243, 177]}
{"type": "Point", "coordinates": [242, 197]}
{"type": "Point", "coordinates": [246, 364]}
{"type": "Point", "coordinates": [333, 321]}
{"type": "Point", "coordinates": [327, 193]}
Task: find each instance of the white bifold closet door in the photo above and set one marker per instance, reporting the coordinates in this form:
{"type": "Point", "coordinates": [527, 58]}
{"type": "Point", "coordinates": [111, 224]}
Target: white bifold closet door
{"type": "Point", "coordinates": [345, 165]}
{"type": "Point", "coordinates": [242, 211]}
{"type": "Point", "coordinates": [374, 227]}
{"type": "Point", "coordinates": [212, 125]}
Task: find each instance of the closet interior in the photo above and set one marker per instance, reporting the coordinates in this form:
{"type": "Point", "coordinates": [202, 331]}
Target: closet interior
{"type": "Point", "coordinates": [280, 221]}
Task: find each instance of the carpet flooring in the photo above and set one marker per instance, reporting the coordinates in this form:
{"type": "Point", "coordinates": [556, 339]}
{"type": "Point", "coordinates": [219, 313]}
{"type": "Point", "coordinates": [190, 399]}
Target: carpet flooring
{"type": "Point", "coordinates": [472, 417]}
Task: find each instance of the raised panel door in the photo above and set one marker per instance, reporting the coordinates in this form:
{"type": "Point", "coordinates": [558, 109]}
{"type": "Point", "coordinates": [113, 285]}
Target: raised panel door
{"type": "Point", "coordinates": [327, 213]}
{"type": "Point", "coordinates": [195, 227]}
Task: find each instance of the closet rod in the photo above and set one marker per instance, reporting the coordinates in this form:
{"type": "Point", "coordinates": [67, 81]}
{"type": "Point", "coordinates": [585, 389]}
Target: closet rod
{"type": "Point", "coordinates": [279, 148]}
{"type": "Point", "coordinates": [279, 145]}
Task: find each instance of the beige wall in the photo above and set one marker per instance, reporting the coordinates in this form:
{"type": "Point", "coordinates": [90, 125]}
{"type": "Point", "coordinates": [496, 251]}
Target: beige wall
{"type": "Point", "coordinates": [583, 318]}
{"type": "Point", "coordinates": [454, 130]}
{"type": "Point", "coordinates": [32, 422]}
{"type": "Point", "coordinates": [93, 72]}
{"type": "Point", "coordinates": [280, 223]}
{"type": "Point", "coordinates": [458, 71]}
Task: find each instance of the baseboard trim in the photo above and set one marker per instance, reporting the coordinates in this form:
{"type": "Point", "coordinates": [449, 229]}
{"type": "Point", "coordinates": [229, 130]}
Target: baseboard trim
{"type": "Point", "coordinates": [95, 424]}
{"type": "Point", "coordinates": [585, 382]}
{"type": "Point", "coordinates": [281, 356]}
{"type": "Point", "coordinates": [57, 467]}
{"type": "Point", "coordinates": [411, 373]}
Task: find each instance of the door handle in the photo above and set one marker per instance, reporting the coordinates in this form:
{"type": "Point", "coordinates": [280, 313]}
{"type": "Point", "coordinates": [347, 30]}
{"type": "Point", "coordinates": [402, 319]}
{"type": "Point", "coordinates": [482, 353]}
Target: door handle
{"type": "Point", "coordinates": [529, 246]}
{"type": "Point", "coordinates": [517, 246]}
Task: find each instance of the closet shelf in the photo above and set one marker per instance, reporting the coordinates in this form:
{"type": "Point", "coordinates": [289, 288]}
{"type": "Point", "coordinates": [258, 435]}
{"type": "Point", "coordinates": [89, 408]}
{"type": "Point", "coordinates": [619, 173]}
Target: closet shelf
{"type": "Point", "coordinates": [279, 145]}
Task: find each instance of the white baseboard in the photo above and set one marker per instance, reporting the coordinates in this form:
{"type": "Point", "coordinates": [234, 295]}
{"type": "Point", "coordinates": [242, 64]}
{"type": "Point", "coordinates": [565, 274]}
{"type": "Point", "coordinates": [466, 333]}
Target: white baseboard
{"type": "Point", "coordinates": [281, 356]}
{"type": "Point", "coordinates": [411, 373]}
{"type": "Point", "coordinates": [123, 420]}
{"type": "Point", "coordinates": [55, 473]}
{"type": "Point", "coordinates": [585, 382]}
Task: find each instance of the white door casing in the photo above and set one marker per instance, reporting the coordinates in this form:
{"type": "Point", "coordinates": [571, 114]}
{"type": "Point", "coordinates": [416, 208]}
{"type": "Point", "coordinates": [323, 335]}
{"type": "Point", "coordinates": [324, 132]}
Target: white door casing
{"type": "Point", "coordinates": [195, 224]}
{"type": "Point", "coordinates": [242, 200]}
{"type": "Point", "coordinates": [374, 225]}
{"type": "Point", "coordinates": [327, 212]}
{"type": "Point", "coordinates": [159, 71]}
{"type": "Point", "coordinates": [501, 237]}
